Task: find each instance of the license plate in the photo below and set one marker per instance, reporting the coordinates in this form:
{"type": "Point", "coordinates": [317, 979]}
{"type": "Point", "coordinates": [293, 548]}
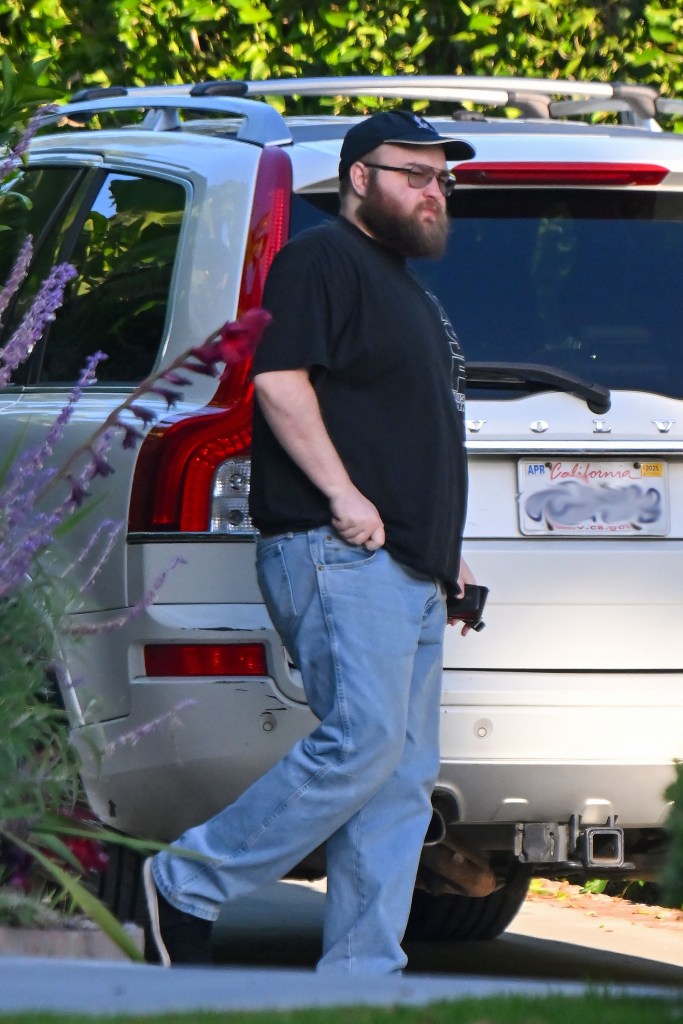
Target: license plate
{"type": "Point", "coordinates": [572, 497]}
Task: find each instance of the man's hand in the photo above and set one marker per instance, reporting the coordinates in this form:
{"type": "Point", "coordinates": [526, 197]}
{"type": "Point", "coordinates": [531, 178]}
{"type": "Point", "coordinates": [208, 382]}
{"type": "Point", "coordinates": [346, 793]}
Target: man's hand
{"type": "Point", "coordinates": [356, 519]}
{"type": "Point", "coordinates": [464, 576]}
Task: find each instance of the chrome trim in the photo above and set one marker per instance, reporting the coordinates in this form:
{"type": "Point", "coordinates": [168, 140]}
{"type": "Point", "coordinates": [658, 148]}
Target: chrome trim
{"type": "Point", "coordinates": [525, 446]}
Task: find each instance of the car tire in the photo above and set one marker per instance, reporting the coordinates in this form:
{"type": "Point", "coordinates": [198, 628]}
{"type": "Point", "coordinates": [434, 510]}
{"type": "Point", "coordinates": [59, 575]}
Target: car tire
{"type": "Point", "coordinates": [449, 917]}
{"type": "Point", "coordinates": [120, 887]}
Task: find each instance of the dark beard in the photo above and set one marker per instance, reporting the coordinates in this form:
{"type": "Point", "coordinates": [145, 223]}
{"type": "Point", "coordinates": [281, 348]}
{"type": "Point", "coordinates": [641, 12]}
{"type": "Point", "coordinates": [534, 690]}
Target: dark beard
{"type": "Point", "coordinates": [403, 234]}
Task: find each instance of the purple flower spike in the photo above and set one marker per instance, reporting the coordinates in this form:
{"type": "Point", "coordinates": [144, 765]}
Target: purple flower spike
{"type": "Point", "coordinates": [79, 491]}
{"type": "Point", "coordinates": [143, 413]}
{"type": "Point", "coordinates": [208, 369]}
{"type": "Point", "coordinates": [131, 436]}
{"type": "Point", "coordinates": [17, 274]}
{"type": "Point", "coordinates": [176, 379]}
{"type": "Point", "coordinates": [205, 353]}
{"type": "Point", "coordinates": [100, 466]}
{"type": "Point", "coordinates": [40, 314]}
{"type": "Point", "coordinates": [172, 397]}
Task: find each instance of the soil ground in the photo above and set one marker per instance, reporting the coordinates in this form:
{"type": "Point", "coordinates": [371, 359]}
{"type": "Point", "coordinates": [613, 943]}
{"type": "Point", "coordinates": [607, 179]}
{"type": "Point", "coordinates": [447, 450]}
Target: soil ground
{"type": "Point", "coordinates": [599, 905]}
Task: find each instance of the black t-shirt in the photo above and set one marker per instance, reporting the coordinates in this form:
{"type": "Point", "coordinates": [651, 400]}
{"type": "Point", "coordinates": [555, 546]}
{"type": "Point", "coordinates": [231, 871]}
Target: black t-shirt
{"type": "Point", "coordinates": [389, 376]}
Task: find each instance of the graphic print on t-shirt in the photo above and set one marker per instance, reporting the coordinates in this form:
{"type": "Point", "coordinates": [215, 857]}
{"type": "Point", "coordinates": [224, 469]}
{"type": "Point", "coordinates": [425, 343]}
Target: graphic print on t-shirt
{"type": "Point", "coordinates": [457, 358]}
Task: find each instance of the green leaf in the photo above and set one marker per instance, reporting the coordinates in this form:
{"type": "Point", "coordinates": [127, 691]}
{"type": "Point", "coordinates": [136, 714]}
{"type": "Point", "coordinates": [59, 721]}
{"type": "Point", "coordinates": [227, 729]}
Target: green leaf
{"type": "Point", "coordinates": [71, 827]}
{"type": "Point", "coordinates": [661, 35]}
{"type": "Point", "coordinates": [60, 849]}
{"type": "Point", "coordinates": [490, 50]}
{"type": "Point", "coordinates": [650, 55]}
{"type": "Point", "coordinates": [253, 15]}
{"type": "Point", "coordinates": [421, 45]}
{"type": "Point", "coordinates": [94, 908]}
{"type": "Point", "coordinates": [336, 18]}
{"type": "Point", "coordinates": [482, 22]}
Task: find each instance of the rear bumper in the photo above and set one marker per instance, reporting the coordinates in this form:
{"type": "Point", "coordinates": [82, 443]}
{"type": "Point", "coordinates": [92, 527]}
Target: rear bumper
{"type": "Point", "coordinates": [510, 792]}
{"type": "Point", "coordinates": [515, 746]}
{"type": "Point", "coordinates": [543, 746]}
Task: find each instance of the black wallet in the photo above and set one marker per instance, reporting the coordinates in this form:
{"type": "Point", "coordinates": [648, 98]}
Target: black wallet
{"type": "Point", "coordinates": [469, 606]}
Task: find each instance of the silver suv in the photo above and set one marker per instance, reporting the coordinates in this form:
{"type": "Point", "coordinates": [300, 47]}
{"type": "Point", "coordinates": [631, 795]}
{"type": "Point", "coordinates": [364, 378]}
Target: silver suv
{"type": "Point", "coordinates": [561, 720]}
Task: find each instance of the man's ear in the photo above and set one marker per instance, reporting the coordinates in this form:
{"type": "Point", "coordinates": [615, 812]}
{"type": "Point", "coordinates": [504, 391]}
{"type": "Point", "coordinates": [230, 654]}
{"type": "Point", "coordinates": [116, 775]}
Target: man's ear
{"type": "Point", "coordinates": [358, 175]}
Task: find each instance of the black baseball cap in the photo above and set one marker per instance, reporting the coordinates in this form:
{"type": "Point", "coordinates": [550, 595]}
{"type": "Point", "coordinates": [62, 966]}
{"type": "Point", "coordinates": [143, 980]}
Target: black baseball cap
{"type": "Point", "coordinates": [402, 127]}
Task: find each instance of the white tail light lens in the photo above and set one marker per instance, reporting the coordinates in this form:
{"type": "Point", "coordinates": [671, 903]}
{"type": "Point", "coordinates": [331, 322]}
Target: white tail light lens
{"type": "Point", "coordinates": [229, 511]}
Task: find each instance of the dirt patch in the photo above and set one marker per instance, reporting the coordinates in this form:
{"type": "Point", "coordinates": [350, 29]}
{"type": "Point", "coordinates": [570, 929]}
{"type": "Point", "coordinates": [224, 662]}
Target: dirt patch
{"type": "Point", "coordinates": [562, 894]}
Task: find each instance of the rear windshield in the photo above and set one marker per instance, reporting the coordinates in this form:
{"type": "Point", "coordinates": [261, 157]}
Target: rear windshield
{"type": "Point", "coordinates": [585, 281]}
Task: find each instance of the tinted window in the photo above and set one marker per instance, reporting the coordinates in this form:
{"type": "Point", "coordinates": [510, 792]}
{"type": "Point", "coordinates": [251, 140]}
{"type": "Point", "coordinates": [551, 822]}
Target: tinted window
{"type": "Point", "coordinates": [582, 280]}
{"type": "Point", "coordinates": [54, 194]}
{"type": "Point", "coordinates": [124, 248]}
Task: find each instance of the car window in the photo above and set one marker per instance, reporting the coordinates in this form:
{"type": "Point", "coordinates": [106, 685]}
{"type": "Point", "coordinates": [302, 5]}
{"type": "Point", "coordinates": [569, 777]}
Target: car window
{"type": "Point", "coordinates": [123, 246]}
{"type": "Point", "coordinates": [52, 195]}
{"type": "Point", "coordinates": [48, 190]}
{"type": "Point", "coordinates": [582, 280]}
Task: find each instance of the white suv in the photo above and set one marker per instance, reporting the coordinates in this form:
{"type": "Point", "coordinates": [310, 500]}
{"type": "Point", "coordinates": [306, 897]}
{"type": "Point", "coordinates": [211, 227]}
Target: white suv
{"type": "Point", "coordinates": [561, 720]}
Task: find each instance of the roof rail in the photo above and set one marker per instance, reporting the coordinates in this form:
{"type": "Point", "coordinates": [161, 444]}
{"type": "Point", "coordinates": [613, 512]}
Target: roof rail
{"type": "Point", "coordinates": [536, 97]}
{"type": "Point", "coordinates": [261, 123]}
{"type": "Point", "coordinates": [667, 106]}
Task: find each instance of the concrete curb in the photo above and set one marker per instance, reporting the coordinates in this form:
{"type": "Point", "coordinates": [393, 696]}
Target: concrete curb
{"type": "Point", "coordinates": [109, 988]}
{"type": "Point", "coordinates": [84, 942]}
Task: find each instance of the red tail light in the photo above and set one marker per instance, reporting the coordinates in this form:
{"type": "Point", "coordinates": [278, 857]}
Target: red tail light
{"type": "Point", "coordinates": [178, 459]}
{"type": "Point", "coordinates": [205, 660]}
{"type": "Point", "coordinates": [479, 173]}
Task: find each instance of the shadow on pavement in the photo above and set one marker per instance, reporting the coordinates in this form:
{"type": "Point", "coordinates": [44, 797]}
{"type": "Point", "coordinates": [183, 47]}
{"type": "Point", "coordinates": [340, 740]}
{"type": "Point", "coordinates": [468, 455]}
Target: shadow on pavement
{"type": "Point", "coordinates": [281, 926]}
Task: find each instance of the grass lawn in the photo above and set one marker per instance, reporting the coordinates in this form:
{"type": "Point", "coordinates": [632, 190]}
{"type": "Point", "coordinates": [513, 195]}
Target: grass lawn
{"type": "Point", "coordinates": [588, 1009]}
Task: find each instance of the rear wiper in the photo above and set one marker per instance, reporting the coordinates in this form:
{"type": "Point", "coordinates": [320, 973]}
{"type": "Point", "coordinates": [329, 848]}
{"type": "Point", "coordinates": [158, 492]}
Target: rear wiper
{"type": "Point", "coordinates": [521, 375]}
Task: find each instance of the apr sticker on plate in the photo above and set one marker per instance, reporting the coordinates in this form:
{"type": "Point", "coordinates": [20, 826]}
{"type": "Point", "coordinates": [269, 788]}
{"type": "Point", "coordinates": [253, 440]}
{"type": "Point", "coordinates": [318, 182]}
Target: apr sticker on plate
{"type": "Point", "coordinates": [571, 497]}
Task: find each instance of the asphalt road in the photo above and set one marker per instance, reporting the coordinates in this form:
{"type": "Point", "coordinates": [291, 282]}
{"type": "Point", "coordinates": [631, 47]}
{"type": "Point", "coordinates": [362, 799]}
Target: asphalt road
{"type": "Point", "coordinates": [549, 939]}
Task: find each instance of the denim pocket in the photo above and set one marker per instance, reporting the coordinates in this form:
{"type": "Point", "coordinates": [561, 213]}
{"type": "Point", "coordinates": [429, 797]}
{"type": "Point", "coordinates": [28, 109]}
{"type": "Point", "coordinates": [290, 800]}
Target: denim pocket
{"type": "Point", "coordinates": [273, 579]}
{"type": "Point", "coordinates": [336, 553]}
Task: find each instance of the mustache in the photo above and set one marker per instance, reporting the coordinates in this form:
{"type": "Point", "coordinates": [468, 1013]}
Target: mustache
{"type": "Point", "coordinates": [432, 205]}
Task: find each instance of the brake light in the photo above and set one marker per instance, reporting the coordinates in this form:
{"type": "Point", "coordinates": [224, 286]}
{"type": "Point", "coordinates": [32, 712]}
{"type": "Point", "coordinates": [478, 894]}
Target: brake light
{"type": "Point", "coordinates": [480, 173]}
{"type": "Point", "coordinates": [179, 459]}
{"type": "Point", "coordinates": [205, 660]}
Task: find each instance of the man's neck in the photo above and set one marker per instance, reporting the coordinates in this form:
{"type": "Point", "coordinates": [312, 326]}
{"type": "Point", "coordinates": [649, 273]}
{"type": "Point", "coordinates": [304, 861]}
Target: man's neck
{"type": "Point", "coordinates": [348, 212]}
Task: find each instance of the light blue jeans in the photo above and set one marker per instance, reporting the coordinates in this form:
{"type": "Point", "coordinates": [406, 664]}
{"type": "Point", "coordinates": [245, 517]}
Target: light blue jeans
{"type": "Point", "coordinates": [367, 635]}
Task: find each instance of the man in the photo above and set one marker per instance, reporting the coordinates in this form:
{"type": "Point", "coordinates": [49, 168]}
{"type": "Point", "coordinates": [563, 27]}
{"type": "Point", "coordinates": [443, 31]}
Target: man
{"type": "Point", "coordinates": [359, 491]}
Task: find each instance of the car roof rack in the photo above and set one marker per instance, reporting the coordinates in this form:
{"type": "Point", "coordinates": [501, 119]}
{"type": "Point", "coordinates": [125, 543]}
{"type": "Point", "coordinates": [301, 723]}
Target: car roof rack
{"type": "Point", "coordinates": [261, 124]}
{"type": "Point", "coordinates": [534, 97]}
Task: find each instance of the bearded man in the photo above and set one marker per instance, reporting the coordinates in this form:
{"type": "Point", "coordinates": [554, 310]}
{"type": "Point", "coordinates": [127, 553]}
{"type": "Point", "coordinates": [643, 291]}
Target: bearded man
{"type": "Point", "coordinates": [358, 488]}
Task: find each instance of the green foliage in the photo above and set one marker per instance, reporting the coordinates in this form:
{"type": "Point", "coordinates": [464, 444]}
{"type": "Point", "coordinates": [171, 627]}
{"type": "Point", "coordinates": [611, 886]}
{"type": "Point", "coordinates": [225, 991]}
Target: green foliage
{"type": "Point", "coordinates": [672, 879]}
{"type": "Point", "coordinates": [22, 94]}
{"type": "Point", "coordinates": [594, 885]}
{"type": "Point", "coordinates": [136, 42]}
{"type": "Point", "coordinates": [43, 854]}
{"type": "Point", "coordinates": [41, 875]}
{"type": "Point", "coordinates": [37, 768]}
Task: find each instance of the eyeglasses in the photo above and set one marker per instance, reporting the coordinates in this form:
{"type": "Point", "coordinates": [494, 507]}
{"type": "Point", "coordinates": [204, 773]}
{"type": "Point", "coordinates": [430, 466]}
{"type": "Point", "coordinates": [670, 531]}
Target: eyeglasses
{"type": "Point", "coordinates": [421, 175]}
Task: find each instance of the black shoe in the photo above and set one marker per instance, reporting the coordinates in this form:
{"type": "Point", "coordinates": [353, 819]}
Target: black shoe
{"type": "Point", "coordinates": [171, 935]}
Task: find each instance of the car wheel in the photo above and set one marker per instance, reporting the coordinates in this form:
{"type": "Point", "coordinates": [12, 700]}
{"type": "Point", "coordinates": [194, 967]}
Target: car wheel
{"type": "Point", "coordinates": [449, 917]}
{"type": "Point", "coordinates": [120, 887]}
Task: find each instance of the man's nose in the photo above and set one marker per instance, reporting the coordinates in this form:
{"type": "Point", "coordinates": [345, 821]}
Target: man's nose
{"type": "Point", "coordinates": [432, 189]}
